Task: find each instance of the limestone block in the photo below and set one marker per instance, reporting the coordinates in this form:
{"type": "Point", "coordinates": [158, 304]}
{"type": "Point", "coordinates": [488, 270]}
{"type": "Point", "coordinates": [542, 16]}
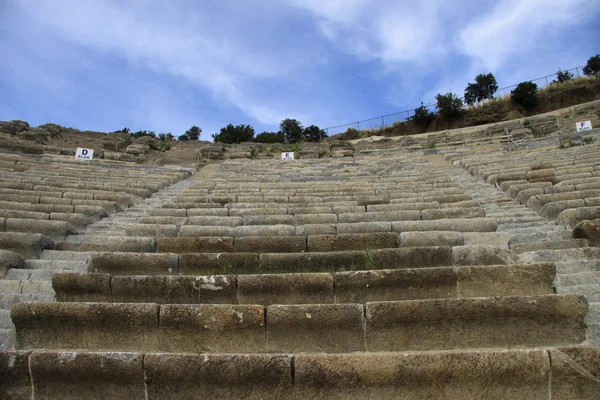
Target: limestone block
{"type": "Point", "coordinates": [164, 220]}
{"type": "Point", "coordinates": [264, 230]}
{"type": "Point", "coordinates": [27, 245]}
{"type": "Point", "coordinates": [207, 244]}
{"type": "Point", "coordinates": [410, 257]}
{"type": "Point", "coordinates": [108, 243]}
{"type": "Point", "coordinates": [571, 217]}
{"type": "Point", "coordinates": [357, 241]}
{"type": "Point", "coordinates": [84, 287]}
{"type": "Point", "coordinates": [218, 263]}
{"type": "Point", "coordinates": [285, 289]}
{"type": "Point", "coordinates": [8, 260]}
{"type": "Point", "coordinates": [364, 227]}
{"type": "Point", "coordinates": [589, 229]}
{"type": "Point", "coordinates": [212, 328]}
{"type": "Point", "coordinates": [482, 255]}
{"type": "Point", "coordinates": [116, 263]}
{"type": "Point", "coordinates": [431, 238]}
{"type": "Point", "coordinates": [15, 381]}
{"type": "Point", "coordinates": [152, 230]}
{"type": "Point", "coordinates": [312, 262]}
{"type": "Point", "coordinates": [215, 221]}
{"type": "Point", "coordinates": [457, 225]}
{"type": "Point", "coordinates": [55, 230]}
{"type": "Point", "coordinates": [92, 326]}
{"type": "Point", "coordinates": [330, 328]}
{"type": "Point", "coordinates": [268, 220]}
{"type": "Point", "coordinates": [270, 244]}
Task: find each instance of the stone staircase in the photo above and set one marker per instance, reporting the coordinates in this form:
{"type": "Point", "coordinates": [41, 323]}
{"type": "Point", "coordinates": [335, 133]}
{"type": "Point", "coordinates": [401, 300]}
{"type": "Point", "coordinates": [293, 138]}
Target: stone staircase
{"type": "Point", "coordinates": [396, 276]}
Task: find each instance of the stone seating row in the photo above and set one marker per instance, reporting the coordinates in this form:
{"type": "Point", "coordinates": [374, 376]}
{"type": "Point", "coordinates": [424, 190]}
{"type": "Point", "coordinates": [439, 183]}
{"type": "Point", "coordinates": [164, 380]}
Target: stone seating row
{"type": "Point", "coordinates": [307, 288]}
{"type": "Point", "coordinates": [560, 373]}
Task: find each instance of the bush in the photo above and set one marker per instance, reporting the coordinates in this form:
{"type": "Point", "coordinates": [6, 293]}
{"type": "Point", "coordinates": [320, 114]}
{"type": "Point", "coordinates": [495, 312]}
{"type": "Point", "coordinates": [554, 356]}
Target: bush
{"type": "Point", "coordinates": [269, 137]}
{"type": "Point", "coordinates": [351, 134]}
{"type": "Point", "coordinates": [422, 115]}
{"type": "Point", "coordinates": [562, 76]}
{"type": "Point", "coordinates": [525, 95]}
{"type": "Point", "coordinates": [234, 134]}
{"type": "Point", "coordinates": [292, 130]}
{"type": "Point", "coordinates": [449, 105]}
{"type": "Point", "coordinates": [314, 134]}
{"type": "Point", "coordinates": [484, 88]}
{"type": "Point", "coordinates": [193, 133]}
{"type": "Point", "coordinates": [592, 68]}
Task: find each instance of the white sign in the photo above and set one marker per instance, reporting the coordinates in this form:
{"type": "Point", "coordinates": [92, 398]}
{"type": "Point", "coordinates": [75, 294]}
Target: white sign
{"type": "Point", "coordinates": [287, 156]}
{"type": "Point", "coordinates": [84, 154]}
{"type": "Point", "coordinates": [584, 126]}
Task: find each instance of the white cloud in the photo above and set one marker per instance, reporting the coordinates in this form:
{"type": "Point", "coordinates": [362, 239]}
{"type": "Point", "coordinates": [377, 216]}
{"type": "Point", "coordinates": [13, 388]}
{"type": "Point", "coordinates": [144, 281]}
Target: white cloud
{"type": "Point", "coordinates": [516, 27]}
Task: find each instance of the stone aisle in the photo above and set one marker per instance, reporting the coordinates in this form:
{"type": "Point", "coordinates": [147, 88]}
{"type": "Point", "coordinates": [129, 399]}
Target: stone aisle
{"type": "Point", "coordinates": [538, 239]}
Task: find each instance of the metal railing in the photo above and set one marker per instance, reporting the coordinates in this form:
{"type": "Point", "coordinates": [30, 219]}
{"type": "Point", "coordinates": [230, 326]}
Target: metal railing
{"type": "Point", "coordinates": [383, 121]}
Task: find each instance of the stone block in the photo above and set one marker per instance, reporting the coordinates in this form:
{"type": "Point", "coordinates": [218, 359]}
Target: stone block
{"type": "Point", "coordinates": [270, 244]}
{"type": "Point", "coordinates": [357, 241]}
{"type": "Point", "coordinates": [163, 220]}
{"type": "Point", "coordinates": [501, 374]}
{"type": "Point", "coordinates": [9, 260]}
{"type": "Point", "coordinates": [207, 212]}
{"type": "Point", "coordinates": [85, 375]}
{"type": "Point", "coordinates": [381, 216]}
{"type": "Point", "coordinates": [316, 229]}
{"type": "Point", "coordinates": [218, 263]}
{"type": "Point", "coordinates": [264, 230]}
{"type": "Point", "coordinates": [457, 225]}
{"type": "Point", "coordinates": [27, 245]}
{"type": "Point", "coordinates": [285, 289]}
{"type": "Point", "coordinates": [82, 287]}
{"type": "Point", "coordinates": [312, 262]}
{"type": "Point", "coordinates": [212, 328]}
{"type": "Point", "coordinates": [527, 321]}
{"type": "Point", "coordinates": [410, 257]}
{"type": "Point", "coordinates": [15, 381]}
{"type": "Point", "coordinates": [364, 227]}
{"type": "Point", "coordinates": [392, 285]}
{"type": "Point", "coordinates": [55, 230]}
{"type": "Point", "coordinates": [179, 245]}
{"type": "Point", "coordinates": [108, 243]}
{"type": "Point", "coordinates": [152, 230]}
{"type": "Point", "coordinates": [306, 219]}
{"type": "Point", "coordinates": [91, 326]}
{"type": "Point", "coordinates": [569, 218]}
{"type": "Point", "coordinates": [215, 221]}
{"type": "Point", "coordinates": [134, 263]}
{"type": "Point", "coordinates": [329, 328]}
{"type": "Point", "coordinates": [268, 220]}
{"type": "Point", "coordinates": [218, 376]}
{"type": "Point", "coordinates": [198, 231]}
{"type": "Point", "coordinates": [483, 255]}
{"type": "Point", "coordinates": [575, 372]}
{"type": "Point", "coordinates": [453, 213]}
{"type": "Point", "coordinates": [431, 238]}
{"type": "Point", "coordinates": [506, 280]}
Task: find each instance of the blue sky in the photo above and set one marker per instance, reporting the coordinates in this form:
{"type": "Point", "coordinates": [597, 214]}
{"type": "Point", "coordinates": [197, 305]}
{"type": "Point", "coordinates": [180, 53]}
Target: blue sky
{"type": "Point", "coordinates": [166, 65]}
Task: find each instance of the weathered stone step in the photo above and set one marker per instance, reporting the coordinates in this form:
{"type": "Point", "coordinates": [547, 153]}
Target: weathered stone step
{"type": "Point", "coordinates": [558, 373]}
{"type": "Point", "coordinates": [541, 236]}
{"type": "Point", "coordinates": [581, 278]}
{"type": "Point", "coordinates": [29, 274]}
{"type": "Point", "coordinates": [576, 266]}
{"type": "Point", "coordinates": [307, 288]}
{"type": "Point", "coordinates": [548, 320]}
{"type": "Point", "coordinates": [57, 265]}
{"type": "Point", "coordinates": [107, 243]}
{"type": "Point", "coordinates": [564, 255]}
{"type": "Point", "coordinates": [7, 340]}
{"type": "Point", "coordinates": [591, 292]}
{"type": "Point", "coordinates": [565, 244]}
{"type": "Point", "coordinates": [65, 255]}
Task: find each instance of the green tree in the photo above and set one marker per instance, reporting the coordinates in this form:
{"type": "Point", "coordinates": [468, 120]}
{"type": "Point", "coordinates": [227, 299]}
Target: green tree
{"type": "Point", "coordinates": [193, 133]}
{"type": "Point", "coordinates": [234, 134]}
{"type": "Point", "coordinates": [183, 138]}
{"type": "Point", "coordinates": [525, 95]}
{"type": "Point", "coordinates": [269, 137]}
{"type": "Point", "coordinates": [484, 88]}
{"type": "Point", "coordinates": [592, 68]}
{"type": "Point", "coordinates": [314, 134]}
{"type": "Point", "coordinates": [449, 105]}
{"type": "Point", "coordinates": [292, 130]}
{"type": "Point", "coordinates": [562, 76]}
{"type": "Point", "coordinates": [422, 115]}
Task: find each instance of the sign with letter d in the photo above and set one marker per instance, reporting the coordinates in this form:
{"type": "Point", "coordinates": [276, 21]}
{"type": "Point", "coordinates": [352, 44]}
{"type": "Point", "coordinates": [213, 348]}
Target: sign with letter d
{"type": "Point", "coordinates": [84, 154]}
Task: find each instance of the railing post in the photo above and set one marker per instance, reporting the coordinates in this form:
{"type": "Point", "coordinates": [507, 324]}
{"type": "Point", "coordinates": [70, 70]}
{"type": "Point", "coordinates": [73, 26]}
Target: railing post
{"type": "Point", "coordinates": [507, 139]}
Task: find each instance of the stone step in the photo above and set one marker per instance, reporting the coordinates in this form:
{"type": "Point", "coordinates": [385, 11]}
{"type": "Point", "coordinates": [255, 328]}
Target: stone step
{"type": "Point", "coordinates": [306, 288]}
{"type": "Point", "coordinates": [57, 265]}
{"type": "Point", "coordinates": [577, 266]}
{"type": "Point", "coordinates": [591, 292]}
{"type": "Point", "coordinates": [416, 325]}
{"type": "Point", "coordinates": [541, 236]}
{"type": "Point", "coordinates": [107, 243]}
{"type": "Point", "coordinates": [7, 340]}
{"type": "Point", "coordinates": [494, 374]}
{"type": "Point", "coordinates": [65, 256]}
{"type": "Point", "coordinates": [564, 244]}
{"type": "Point", "coordinates": [581, 278]}
{"type": "Point", "coordinates": [563, 255]}
{"type": "Point", "coordinates": [5, 321]}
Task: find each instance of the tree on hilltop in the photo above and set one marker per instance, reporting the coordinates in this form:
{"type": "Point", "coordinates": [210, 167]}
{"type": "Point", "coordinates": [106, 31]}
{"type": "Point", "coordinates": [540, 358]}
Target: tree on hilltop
{"type": "Point", "coordinates": [562, 76]}
{"type": "Point", "coordinates": [292, 130]}
{"type": "Point", "coordinates": [592, 67]}
{"type": "Point", "coordinates": [525, 95]}
{"type": "Point", "coordinates": [234, 134]}
{"type": "Point", "coordinates": [448, 105]}
{"type": "Point", "coordinates": [482, 89]}
{"type": "Point", "coordinates": [314, 134]}
{"type": "Point", "coordinates": [269, 137]}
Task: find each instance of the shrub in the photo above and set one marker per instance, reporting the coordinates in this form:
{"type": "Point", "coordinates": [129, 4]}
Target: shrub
{"type": "Point", "coordinates": [525, 95]}
{"type": "Point", "coordinates": [314, 134]}
{"type": "Point", "coordinates": [484, 88]}
{"type": "Point", "coordinates": [269, 137]}
{"type": "Point", "coordinates": [562, 76]}
{"type": "Point", "coordinates": [234, 134]}
{"type": "Point", "coordinates": [422, 115]}
{"type": "Point", "coordinates": [193, 133]}
{"type": "Point", "coordinates": [292, 130]}
{"type": "Point", "coordinates": [351, 134]}
{"type": "Point", "coordinates": [449, 105]}
{"type": "Point", "coordinates": [592, 67]}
